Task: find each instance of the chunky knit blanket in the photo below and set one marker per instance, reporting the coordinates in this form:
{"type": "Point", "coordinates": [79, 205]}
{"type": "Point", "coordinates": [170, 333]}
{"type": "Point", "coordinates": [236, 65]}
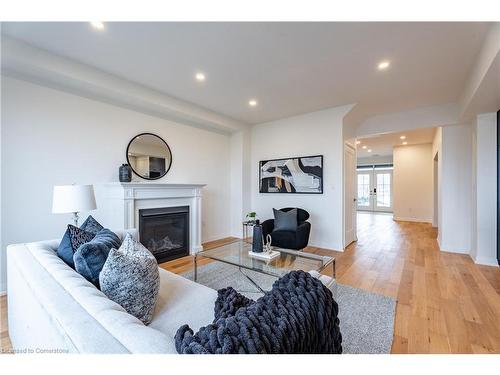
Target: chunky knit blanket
{"type": "Point", "coordinates": [299, 315]}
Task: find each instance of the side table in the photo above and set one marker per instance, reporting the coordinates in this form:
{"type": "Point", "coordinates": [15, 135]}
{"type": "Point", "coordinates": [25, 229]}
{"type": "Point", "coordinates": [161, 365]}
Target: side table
{"type": "Point", "coordinates": [246, 224]}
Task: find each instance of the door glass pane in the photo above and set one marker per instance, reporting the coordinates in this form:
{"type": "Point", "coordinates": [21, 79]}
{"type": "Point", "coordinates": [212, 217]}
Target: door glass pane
{"type": "Point", "coordinates": [384, 190]}
{"type": "Point", "coordinates": [363, 190]}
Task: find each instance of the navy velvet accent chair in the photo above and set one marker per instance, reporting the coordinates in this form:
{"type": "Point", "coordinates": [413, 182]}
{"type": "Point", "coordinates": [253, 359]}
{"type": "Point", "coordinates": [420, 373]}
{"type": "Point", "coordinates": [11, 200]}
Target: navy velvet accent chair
{"type": "Point", "coordinates": [295, 240]}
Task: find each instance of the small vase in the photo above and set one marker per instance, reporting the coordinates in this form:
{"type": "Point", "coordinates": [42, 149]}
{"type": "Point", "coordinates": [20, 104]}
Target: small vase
{"type": "Point", "coordinates": [125, 173]}
{"type": "Point", "coordinates": [257, 244]}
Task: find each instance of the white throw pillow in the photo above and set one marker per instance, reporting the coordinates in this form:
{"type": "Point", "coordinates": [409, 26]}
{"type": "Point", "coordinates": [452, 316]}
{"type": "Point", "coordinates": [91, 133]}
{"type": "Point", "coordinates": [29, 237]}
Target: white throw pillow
{"type": "Point", "coordinates": [130, 277]}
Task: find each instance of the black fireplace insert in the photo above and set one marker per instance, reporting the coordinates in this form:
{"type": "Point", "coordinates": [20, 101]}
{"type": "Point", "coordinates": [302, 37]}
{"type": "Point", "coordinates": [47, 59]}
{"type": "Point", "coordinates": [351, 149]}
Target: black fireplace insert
{"type": "Point", "coordinates": [165, 231]}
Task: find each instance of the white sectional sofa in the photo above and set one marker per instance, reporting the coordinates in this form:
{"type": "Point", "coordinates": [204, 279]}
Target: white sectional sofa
{"type": "Point", "coordinates": [52, 307]}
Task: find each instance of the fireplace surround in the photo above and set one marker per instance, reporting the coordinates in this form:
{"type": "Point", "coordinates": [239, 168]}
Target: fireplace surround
{"type": "Point", "coordinates": [123, 202]}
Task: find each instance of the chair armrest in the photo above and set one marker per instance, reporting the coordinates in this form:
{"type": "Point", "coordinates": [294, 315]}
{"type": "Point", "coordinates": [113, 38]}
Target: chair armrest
{"type": "Point", "coordinates": [303, 231]}
{"type": "Point", "coordinates": [267, 227]}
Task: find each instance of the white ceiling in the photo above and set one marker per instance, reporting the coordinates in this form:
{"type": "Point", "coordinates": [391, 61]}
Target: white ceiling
{"type": "Point", "coordinates": [382, 145]}
{"type": "Point", "coordinates": [290, 68]}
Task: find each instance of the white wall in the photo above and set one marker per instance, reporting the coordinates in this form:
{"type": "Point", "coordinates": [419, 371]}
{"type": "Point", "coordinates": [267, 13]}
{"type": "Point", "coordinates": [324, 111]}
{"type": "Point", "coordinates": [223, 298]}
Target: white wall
{"type": "Point", "coordinates": [413, 198]}
{"type": "Point", "coordinates": [381, 159]}
{"type": "Point", "coordinates": [50, 137]}
{"type": "Point", "coordinates": [484, 231]}
{"type": "Point", "coordinates": [456, 189]}
{"type": "Point", "coordinates": [437, 154]}
{"type": "Point", "coordinates": [317, 133]}
{"type": "Point", "coordinates": [436, 143]}
{"type": "Point", "coordinates": [3, 287]}
{"type": "Point", "coordinates": [240, 180]}
{"type": "Point", "coordinates": [474, 221]}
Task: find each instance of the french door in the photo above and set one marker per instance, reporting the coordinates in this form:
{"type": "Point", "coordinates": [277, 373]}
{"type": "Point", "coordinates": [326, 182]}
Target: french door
{"type": "Point", "coordinates": [375, 188]}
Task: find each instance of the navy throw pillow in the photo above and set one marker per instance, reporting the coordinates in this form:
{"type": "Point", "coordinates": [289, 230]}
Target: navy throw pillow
{"type": "Point", "coordinates": [91, 256]}
{"type": "Point", "coordinates": [73, 238]}
{"type": "Point", "coordinates": [285, 220]}
{"type": "Point", "coordinates": [91, 225]}
{"type": "Point", "coordinates": [65, 250]}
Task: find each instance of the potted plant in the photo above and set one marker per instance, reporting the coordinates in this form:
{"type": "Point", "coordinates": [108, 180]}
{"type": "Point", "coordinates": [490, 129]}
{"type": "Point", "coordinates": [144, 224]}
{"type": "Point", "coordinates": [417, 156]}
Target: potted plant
{"type": "Point", "coordinates": [251, 217]}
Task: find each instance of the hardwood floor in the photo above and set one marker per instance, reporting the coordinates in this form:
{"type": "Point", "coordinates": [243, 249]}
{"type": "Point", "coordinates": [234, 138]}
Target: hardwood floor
{"type": "Point", "coordinates": [5, 345]}
{"type": "Point", "coordinates": [446, 303]}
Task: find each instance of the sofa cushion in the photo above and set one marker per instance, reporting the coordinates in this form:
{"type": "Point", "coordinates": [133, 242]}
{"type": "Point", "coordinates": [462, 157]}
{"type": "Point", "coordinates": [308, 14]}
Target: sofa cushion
{"type": "Point", "coordinates": [182, 301]}
{"type": "Point", "coordinates": [285, 220]}
{"type": "Point", "coordinates": [66, 250]}
{"type": "Point", "coordinates": [73, 238]}
{"type": "Point", "coordinates": [78, 236]}
{"type": "Point", "coordinates": [130, 277]}
{"type": "Point", "coordinates": [91, 256]}
{"type": "Point", "coordinates": [302, 215]}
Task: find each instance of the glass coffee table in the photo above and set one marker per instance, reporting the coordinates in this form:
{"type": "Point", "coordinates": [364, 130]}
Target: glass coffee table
{"type": "Point", "coordinates": [236, 254]}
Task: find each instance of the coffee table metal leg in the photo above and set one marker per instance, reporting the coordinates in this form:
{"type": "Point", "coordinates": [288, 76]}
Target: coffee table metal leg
{"type": "Point", "coordinates": [195, 267]}
{"type": "Point", "coordinates": [334, 280]}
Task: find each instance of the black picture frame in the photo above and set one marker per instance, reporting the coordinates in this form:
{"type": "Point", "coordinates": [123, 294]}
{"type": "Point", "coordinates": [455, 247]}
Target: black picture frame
{"type": "Point", "coordinates": [166, 145]}
{"type": "Point", "coordinates": [262, 189]}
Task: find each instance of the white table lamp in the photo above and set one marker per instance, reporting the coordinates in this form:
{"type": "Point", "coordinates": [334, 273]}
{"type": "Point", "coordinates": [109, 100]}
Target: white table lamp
{"type": "Point", "coordinates": [73, 199]}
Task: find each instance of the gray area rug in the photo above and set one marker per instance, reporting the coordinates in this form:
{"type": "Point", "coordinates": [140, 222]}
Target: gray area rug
{"type": "Point", "coordinates": [366, 319]}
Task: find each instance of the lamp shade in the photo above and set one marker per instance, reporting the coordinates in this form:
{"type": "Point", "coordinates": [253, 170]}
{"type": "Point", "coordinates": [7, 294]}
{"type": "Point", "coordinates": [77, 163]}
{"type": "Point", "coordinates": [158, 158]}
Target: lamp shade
{"type": "Point", "coordinates": [73, 198]}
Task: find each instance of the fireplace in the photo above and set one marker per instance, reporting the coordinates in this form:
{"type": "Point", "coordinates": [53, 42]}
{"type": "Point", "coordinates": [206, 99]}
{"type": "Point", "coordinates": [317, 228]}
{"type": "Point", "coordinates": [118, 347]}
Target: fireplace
{"type": "Point", "coordinates": [165, 231]}
{"type": "Point", "coordinates": [122, 201]}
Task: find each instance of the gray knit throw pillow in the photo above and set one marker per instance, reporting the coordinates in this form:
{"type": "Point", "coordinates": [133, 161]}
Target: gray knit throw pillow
{"type": "Point", "coordinates": [130, 277]}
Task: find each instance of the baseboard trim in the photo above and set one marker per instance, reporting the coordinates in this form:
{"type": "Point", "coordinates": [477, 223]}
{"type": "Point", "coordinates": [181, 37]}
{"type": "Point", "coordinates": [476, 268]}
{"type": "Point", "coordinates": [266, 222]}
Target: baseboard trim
{"type": "Point", "coordinates": [219, 241]}
{"type": "Point", "coordinates": [459, 251]}
{"type": "Point", "coordinates": [323, 247]}
{"type": "Point", "coordinates": [486, 261]}
{"type": "Point", "coordinates": [217, 238]}
{"type": "Point", "coordinates": [412, 219]}
{"type": "Point", "coordinates": [196, 249]}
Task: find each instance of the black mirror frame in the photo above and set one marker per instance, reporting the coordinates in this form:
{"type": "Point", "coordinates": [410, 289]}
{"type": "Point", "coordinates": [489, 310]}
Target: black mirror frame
{"type": "Point", "coordinates": [168, 148]}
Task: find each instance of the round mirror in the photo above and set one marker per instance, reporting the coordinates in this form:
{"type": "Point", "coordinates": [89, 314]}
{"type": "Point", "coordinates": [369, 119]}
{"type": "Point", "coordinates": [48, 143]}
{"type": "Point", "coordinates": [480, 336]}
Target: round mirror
{"type": "Point", "coordinates": [149, 156]}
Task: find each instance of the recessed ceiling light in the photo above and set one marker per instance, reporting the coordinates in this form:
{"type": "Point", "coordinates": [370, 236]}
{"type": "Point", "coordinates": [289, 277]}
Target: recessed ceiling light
{"type": "Point", "coordinates": [97, 25]}
{"type": "Point", "coordinates": [364, 147]}
{"type": "Point", "coordinates": [383, 65]}
{"type": "Point", "coordinates": [369, 150]}
{"type": "Point", "coordinates": [402, 137]}
{"type": "Point", "coordinates": [358, 142]}
{"type": "Point", "coordinates": [405, 143]}
{"type": "Point", "coordinates": [200, 76]}
{"type": "Point", "coordinates": [252, 103]}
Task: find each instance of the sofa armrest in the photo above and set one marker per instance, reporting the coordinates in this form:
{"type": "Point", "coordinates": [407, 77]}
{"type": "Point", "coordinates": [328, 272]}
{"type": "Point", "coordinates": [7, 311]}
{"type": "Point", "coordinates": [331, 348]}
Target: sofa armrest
{"type": "Point", "coordinates": [267, 227]}
{"type": "Point", "coordinates": [303, 231]}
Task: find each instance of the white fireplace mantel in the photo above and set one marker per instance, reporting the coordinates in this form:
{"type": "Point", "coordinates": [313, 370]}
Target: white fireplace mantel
{"type": "Point", "coordinates": [122, 202]}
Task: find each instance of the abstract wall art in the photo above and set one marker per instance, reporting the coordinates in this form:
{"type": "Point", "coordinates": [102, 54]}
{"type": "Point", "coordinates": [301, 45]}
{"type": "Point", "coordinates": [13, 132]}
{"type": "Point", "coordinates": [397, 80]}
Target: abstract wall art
{"type": "Point", "coordinates": [292, 175]}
